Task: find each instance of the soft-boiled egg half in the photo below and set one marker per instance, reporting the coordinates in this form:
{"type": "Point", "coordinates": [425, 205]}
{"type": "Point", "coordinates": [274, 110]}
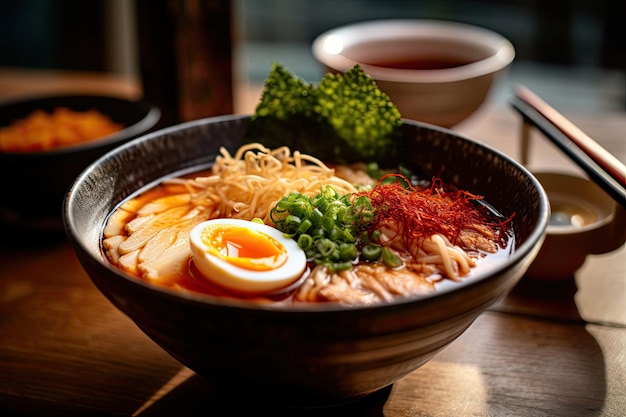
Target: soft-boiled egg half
{"type": "Point", "coordinates": [245, 256]}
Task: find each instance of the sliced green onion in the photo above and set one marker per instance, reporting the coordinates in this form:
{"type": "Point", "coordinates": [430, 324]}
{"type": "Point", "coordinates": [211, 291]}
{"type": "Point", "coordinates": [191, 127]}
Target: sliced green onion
{"type": "Point", "coordinates": [305, 225]}
{"type": "Point", "coordinates": [305, 242]}
{"type": "Point", "coordinates": [347, 234]}
{"type": "Point", "coordinates": [325, 247]}
{"type": "Point", "coordinates": [390, 259]}
{"type": "Point", "coordinates": [316, 216]}
{"type": "Point", "coordinates": [335, 234]}
{"type": "Point", "coordinates": [326, 225]}
{"type": "Point", "coordinates": [347, 251]}
{"type": "Point", "coordinates": [371, 252]}
{"type": "Point", "coordinates": [342, 266]}
{"type": "Point", "coordinates": [292, 222]}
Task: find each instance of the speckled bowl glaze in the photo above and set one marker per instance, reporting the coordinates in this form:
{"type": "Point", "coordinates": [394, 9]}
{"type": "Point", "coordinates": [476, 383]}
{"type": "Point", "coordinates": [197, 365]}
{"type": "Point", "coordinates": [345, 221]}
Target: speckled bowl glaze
{"type": "Point", "coordinates": [311, 355]}
{"type": "Point", "coordinates": [33, 196]}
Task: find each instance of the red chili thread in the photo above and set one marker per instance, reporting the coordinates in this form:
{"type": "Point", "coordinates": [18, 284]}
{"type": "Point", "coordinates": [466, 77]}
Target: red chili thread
{"type": "Point", "coordinates": [425, 211]}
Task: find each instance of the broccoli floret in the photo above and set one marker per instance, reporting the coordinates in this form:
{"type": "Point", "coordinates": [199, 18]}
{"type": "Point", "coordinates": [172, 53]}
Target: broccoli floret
{"type": "Point", "coordinates": [344, 119]}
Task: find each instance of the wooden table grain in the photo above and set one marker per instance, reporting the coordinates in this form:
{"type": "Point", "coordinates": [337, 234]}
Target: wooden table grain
{"type": "Point", "coordinates": [547, 349]}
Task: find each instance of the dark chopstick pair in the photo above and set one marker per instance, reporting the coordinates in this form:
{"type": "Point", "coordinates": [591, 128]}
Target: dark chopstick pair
{"type": "Point", "coordinates": [601, 166]}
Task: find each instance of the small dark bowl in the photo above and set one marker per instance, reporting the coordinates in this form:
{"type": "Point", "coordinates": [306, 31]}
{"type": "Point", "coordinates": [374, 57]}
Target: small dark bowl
{"type": "Point", "coordinates": [311, 354]}
{"type": "Point", "coordinates": [36, 182]}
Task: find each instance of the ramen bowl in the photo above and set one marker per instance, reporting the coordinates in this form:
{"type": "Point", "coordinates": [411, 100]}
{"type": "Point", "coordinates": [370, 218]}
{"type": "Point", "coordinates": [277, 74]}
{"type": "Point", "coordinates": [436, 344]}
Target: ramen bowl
{"type": "Point", "coordinates": [38, 180]}
{"type": "Point", "coordinates": [300, 354]}
{"type": "Point", "coordinates": [438, 72]}
{"type": "Point", "coordinates": [584, 220]}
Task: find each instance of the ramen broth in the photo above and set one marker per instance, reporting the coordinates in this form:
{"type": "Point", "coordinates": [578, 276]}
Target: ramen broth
{"type": "Point", "coordinates": [188, 278]}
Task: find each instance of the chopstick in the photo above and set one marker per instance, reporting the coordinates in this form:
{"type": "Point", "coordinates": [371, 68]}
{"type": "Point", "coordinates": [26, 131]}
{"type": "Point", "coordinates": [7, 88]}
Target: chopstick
{"type": "Point", "coordinates": [601, 166]}
{"type": "Point", "coordinates": [613, 166]}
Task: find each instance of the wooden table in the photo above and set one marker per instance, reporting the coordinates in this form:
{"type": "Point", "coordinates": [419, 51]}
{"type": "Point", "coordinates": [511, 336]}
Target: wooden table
{"type": "Point", "coordinates": [548, 349]}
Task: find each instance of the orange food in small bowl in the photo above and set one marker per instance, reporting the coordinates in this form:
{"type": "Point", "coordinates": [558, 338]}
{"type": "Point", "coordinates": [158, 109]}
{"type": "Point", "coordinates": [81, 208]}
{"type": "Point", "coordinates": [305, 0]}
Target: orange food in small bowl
{"type": "Point", "coordinates": [45, 142]}
{"type": "Point", "coordinates": [44, 131]}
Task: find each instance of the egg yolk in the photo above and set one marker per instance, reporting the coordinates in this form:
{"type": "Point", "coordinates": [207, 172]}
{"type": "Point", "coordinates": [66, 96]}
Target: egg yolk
{"type": "Point", "coordinates": [244, 248]}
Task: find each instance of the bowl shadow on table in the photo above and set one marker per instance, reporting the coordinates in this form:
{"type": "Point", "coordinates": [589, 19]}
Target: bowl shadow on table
{"type": "Point", "coordinates": [197, 396]}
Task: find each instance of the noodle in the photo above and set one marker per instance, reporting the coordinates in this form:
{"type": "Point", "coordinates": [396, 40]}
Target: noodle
{"type": "Point", "coordinates": [148, 236]}
{"type": "Point", "coordinates": [249, 184]}
{"type": "Point", "coordinates": [246, 186]}
{"type": "Point", "coordinates": [454, 261]}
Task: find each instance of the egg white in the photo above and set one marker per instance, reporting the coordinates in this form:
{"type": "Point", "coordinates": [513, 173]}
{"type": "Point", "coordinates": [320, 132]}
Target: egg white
{"type": "Point", "coordinates": [241, 280]}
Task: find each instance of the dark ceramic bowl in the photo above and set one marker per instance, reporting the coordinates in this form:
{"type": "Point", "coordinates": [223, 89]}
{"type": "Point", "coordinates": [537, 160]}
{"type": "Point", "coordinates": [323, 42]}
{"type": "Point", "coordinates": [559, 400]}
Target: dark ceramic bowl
{"type": "Point", "coordinates": [36, 182]}
{"type": "Point", "coordinates": [317, 354]}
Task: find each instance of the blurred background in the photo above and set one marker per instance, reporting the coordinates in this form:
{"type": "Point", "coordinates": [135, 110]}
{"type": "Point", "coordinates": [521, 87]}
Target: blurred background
{"type": "Point", "coordinates": [572, 52]}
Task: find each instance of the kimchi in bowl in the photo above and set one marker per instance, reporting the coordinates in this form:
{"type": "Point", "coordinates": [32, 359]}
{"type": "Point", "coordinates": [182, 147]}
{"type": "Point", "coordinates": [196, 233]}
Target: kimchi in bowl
{"type": "Point", "coordinates": [46, 141]}
{"type": "Point", "coordinates": [317, 353]}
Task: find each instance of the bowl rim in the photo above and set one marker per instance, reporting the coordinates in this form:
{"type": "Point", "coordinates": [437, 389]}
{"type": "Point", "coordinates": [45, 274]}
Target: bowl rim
{"type": "Point", "coordinates": [532, 243]}
{"type": "Point", "coordinates": [149, 120]}
{"type": "Point", "coordinates": [503, 51]}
